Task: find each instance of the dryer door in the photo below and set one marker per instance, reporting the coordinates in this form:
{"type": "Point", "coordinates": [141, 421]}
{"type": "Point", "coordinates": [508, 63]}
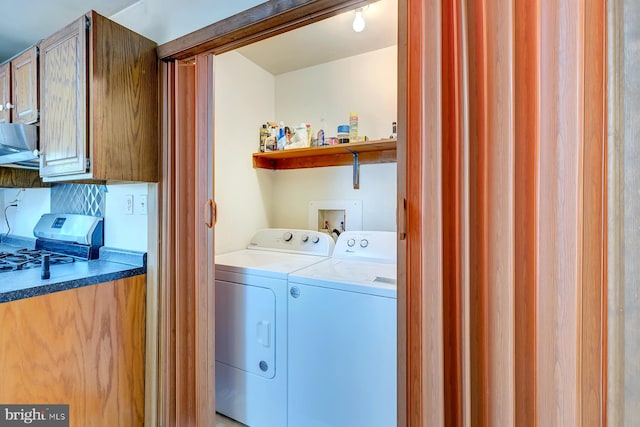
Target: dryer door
{"type": "Point", "coordinates": [245, 326]}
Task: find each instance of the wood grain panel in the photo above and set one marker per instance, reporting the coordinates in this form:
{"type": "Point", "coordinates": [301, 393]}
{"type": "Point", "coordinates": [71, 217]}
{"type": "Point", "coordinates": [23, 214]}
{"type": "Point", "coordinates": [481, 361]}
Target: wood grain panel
{"type": "Point", "coordinates": [184, 211]}
{"type": "Point", "coordinates": [124, 103]}
{"type": "Point", "coordinates": [491, 212]}
{"type": "Point", "coordinates": [423, 309]}
{"type": "Point", "coordinates": [63, 91]}
{"type": "Point", "coordinates": [5, 92]}
{"type": "Point", "coordinates": [167, 291]}
{"type": "Point", "coordinates": [187, 387]}
{"type": "Point", "coordinates": [25, 178]}
{"type": "Point", "coordinates": [380, 151]}
{"type": "Point", "coordinates": [84, 347]}
{"type": "Point", "coordinates": [24, 73]}
{"type": "Point", "coordinates": [500, 202]}
{"type": "Point", "coordinates": [205, 387]}
{"type": "Point", "coordinates": [594, 300]}
{"type": "Point", "coordinates": [477, 217]}
{"type": "Point", "coordinates": [527, 137]}
{"type": "Point", "coordinates": [404, 400]}
{"type": "Point", "coordinates": [452, 206]}
{"type": "Point", "coordinates": [560, 212]}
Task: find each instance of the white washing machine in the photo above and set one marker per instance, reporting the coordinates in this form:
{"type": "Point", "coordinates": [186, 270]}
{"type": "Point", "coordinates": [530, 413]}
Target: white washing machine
{"type": "Point", "coordinates": [251, 322]}
{"type": "Point", "coordinates": [342, 336]}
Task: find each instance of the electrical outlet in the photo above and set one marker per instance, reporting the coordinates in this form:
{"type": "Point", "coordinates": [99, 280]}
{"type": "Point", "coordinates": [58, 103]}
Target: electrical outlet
{"type": "Point", "coordinates": [128, 204]}
{"type": "Point", "coordinates": [141, 204]}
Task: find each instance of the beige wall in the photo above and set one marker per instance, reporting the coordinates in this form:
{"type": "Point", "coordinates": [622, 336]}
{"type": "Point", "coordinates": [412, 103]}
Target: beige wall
{"type": "Point", "coordinates": [323, 96]}
{"type": "Point", "coordinates": [244, 95]}
{"type": "Point", "coordinates": [247, 95]}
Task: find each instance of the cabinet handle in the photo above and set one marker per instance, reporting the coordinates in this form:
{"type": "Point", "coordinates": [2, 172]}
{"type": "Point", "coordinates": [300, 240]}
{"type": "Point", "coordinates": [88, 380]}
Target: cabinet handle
{"type": "Point", "coordinates": [210, 213]}
{"type": "Point", "coordinates": [1, 107]}
{"type": "Point", "coordinates": [9, 106]}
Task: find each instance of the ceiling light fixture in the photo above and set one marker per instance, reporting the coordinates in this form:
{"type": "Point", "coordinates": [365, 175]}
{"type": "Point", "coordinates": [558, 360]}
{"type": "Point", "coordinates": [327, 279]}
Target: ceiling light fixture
{"type": "Point", "coordinates": [358, 21]}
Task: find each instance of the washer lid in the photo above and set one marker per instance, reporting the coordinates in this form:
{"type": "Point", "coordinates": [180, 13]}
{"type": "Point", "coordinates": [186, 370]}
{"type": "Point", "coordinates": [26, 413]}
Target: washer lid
{"type": "Point", "coordinates": [264, 263]}
{"type": "Point", "coordinates": [355, 276]}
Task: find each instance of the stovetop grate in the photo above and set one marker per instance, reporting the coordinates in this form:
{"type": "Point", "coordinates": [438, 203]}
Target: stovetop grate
{"type": "Point", "coordinates": [24, 259]}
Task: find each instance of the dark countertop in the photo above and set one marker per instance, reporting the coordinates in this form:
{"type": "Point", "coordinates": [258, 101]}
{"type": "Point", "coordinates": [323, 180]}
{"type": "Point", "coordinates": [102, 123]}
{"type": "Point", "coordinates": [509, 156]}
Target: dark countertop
{"type": "Point", "coordinates": [113, 264]}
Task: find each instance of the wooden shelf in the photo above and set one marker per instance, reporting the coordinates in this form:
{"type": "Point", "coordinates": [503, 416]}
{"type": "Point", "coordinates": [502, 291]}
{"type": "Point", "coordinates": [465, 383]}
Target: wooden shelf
{"type": "Point", "coordinates": [368, 152]}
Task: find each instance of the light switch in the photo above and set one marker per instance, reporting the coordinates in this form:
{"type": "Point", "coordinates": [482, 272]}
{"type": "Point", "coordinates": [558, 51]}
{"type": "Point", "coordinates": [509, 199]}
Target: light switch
{"type": "Point", "coordinates": [128, 204]}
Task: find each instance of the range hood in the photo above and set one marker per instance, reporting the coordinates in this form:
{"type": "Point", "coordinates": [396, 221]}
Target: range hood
{"type": "Point", "coordinates": [19, 144]}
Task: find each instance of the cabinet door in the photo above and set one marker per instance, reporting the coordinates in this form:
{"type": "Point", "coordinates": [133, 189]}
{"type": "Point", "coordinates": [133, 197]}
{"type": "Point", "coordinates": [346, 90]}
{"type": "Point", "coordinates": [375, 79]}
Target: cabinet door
{"type": "Point", "coordinates": [24, 73]}
{"type": "Point", "coordinates": [5, 92]}
{"type": "Point", "coordinates": [63, 95]}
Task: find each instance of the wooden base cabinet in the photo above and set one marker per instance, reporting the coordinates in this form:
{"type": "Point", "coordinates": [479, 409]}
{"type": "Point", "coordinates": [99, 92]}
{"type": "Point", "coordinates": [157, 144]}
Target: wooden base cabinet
{"type": "Point", "coordinates": [83, 347]}
{"type": "Point", "coordinates": [99, 100]}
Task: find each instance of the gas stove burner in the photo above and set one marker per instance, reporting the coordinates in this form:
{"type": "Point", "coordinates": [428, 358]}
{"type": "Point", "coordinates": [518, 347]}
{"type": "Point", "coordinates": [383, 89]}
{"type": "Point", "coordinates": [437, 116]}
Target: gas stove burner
{"type": "Point", "coordinates": [24, 259]}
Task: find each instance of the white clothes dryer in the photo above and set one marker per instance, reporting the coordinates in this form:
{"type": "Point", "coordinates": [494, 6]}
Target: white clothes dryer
{"type": "Point", "coordinates": [342, 335]}
{"type": "Point", "coordinates": [251, 322]}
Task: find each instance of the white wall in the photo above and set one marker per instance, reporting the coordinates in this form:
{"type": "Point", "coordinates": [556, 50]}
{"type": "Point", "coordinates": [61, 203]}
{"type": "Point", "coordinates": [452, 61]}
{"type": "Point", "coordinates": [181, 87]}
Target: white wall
{"type": "Point", "coordinates": [123, 230]}
{"type": "Point", "coordinates": [244, 98]}
{"type": "Point", "coordinates": [32, 204]}
{"type": "Point", "coordinates": [294, 189]}
{"type": "Point", "coordinates": [323, 96]}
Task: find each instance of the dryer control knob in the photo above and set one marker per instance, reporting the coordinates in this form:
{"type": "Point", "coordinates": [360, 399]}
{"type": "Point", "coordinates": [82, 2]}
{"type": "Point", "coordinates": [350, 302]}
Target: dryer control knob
{"type": "Point", "coordinates": [364, 243]}
{"type": "Point", "coordinates": [315, 239]}
{"type": "Point", "coordinates": [305, 238]}
{"type": "Point", "coordinates": [351, 242]}
{"type": "Point", "coordinates": [287, 236]}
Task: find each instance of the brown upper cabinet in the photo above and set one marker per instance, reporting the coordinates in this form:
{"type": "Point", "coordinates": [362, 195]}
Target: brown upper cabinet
{"type": "Point", "coordinates": [19, 88]}
{"type": "Point", "coordinates": [99, 100]}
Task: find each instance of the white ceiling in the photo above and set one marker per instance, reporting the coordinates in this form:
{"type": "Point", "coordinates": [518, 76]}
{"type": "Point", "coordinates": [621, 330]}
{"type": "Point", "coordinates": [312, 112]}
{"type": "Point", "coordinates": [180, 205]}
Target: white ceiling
{"type": "Point", "coordinates": [327, 40]}
{"type": "Point", "coordinates": [24, 23]}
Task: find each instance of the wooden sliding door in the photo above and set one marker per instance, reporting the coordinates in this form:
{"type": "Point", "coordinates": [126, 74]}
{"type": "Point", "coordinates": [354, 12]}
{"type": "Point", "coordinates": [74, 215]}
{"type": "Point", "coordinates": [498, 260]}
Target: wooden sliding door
{"type": "Point", "coordinates": [504, 142]}
{"type": "Point", "coordinates": [187, 358]}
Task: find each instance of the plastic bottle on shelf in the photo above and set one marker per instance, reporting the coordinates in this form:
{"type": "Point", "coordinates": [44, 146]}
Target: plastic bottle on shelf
{"type": "Point", "coordinates": [264, 134]}
{"type": "Point", "coordinates": [343, 134]}
{"type": "Point", "coordinates": [353, 127]}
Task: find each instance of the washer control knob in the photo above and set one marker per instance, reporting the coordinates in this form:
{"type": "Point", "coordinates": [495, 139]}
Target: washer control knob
{"type": "Point", "coordinates": [351, 242]}
{"type": "Point", "coordinates": [364, 243]}
{"type": "Point", "coordinates": [287, 236]}
{"type": "Point", "coordinates": [315, 239]}
{"type": "Point", "coordinates": [295, 291]}
{"type": "Point", "coordinates": [305, 238]}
